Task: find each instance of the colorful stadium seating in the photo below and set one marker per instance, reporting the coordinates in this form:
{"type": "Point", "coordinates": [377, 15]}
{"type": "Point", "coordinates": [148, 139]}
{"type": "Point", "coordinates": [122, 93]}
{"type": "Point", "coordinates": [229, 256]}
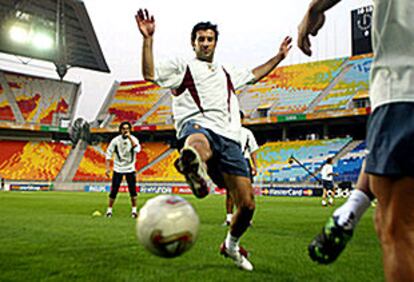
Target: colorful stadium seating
{"type": "Point", "coordinates": [273, 158]}
{"type": "Point", "coordinates": [163, 114]}
{"type": "Point", "coordinates": [6, 112]}
{"type": "Point", "coordinates": [27, 160]}
{"type": "Point", "coordinates": [354, 80]}
{"type": "Point", "coordinates": [349, 166]}
{"type": "Point", "coordinates": [132, 100]}
{"type": "Point", "coordinates": [40, 99]}
{"type": "Point", "coordinates": [92, 165]}
{"type": "Point", "coordinates": [163, 171]}
{"type": "Point", "coordinates": [290, 89]}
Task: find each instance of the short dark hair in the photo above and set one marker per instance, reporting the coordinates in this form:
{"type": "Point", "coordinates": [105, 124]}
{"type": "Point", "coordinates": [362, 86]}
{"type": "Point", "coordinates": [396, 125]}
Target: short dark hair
{"type": "Point", "coordinates": [329, 160]}
{"type": "Point", "coordinates": [123, 123]}
{"type": "Point", "coordinates": [204, 26]}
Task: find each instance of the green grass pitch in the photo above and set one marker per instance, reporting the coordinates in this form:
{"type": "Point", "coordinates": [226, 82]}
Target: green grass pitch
{"type": "Point", "coordinates": [52, 236]}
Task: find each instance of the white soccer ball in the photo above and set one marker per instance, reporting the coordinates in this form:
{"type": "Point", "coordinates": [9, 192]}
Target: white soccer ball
{"type": "Point", "coordinates": [167, 226]}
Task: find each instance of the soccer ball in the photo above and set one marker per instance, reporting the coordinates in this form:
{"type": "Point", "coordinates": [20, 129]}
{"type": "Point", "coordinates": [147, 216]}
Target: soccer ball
{"type": "Point", "coordinates": [167, 226]}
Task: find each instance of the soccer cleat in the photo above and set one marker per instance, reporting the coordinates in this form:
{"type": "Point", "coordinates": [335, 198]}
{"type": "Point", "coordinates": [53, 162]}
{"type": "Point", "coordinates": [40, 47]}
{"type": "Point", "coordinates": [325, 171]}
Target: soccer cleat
{"type": "Point", "coordinates": [190, 165]}
{"type": "Point", "coordinates": [134, 215]}
{"type": "Point", "coordinates": [239, 257]}
{"type": "Point", "coordinates": [108, 214]}
{"type": "Point", "coordinates": [329, 244]}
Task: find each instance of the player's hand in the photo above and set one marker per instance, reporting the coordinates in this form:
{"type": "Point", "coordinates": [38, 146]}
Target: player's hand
{"type": "Point", "coordinates": [310, 25]}
{"type": "Point", "coordinates": [108, 173]}
{"type": "Point", "coordinates": [285, 47]}
{"type": "Point", "coordinates": [145, 22]}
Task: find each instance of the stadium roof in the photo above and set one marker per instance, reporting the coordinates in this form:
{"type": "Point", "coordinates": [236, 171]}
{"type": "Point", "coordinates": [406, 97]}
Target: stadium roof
{"type": "Point", "coordinates": [70, 27]}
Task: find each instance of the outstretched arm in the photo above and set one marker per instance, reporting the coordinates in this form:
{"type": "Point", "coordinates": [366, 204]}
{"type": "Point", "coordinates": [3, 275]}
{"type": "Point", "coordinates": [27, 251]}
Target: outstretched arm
{"type": "Point", "coordinates": [312, 22]}
{"type": "Point", "coordinates": [146, 25]}
{"type": "Point", "coordinates": [263, 70]}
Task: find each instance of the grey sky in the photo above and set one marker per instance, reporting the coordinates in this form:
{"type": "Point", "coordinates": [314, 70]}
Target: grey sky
{"type": "Point", "coordinates": [250, 33]}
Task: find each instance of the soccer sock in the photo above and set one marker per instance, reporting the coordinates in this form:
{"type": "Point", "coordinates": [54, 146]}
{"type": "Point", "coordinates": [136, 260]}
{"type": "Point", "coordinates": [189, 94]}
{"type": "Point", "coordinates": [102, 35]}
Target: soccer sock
{"type": "Point", "coordinates": [323, 203]}
{"type": "Point", "coordinates": [229, 217]}
{"type": "Point", "coordinates": [356, 204]}
{"type": "Point", "coordinates": [231, 242]}
{"type": "Point", "coordinates": [134, 209]}
{"type": "Point", "coordinates": [330, 200]}
{"type": "Point", "coordinates": [109, 210]}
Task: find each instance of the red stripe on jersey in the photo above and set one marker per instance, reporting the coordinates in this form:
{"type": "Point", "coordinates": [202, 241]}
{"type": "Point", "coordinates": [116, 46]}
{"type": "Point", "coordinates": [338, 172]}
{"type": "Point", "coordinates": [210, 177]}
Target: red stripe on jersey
{"type": "Point", "coordinates": [188, 83]}
{"type": "Point", "coordinates": [230, 89]}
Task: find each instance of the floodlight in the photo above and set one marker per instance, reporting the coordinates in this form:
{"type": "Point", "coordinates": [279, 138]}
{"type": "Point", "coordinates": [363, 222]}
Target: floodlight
{"type": "Point", "coordinates": [19, 33]}
{"type": "Point", "coordinates": [42, 40]}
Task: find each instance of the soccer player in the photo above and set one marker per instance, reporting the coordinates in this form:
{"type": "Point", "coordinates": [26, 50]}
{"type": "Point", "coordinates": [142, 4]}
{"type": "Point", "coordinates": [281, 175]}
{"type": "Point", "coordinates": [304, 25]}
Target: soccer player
{"type": "Point", "coordinates": [328, 186]}
{"type": "Point", "coordinates": [207, 120]}
{"type": "Point", "coordinates": [390, 160]}
{"type": "Point", "coordinates": [249, 147]}
{"type": "Point", "coordinates": [125, 147]}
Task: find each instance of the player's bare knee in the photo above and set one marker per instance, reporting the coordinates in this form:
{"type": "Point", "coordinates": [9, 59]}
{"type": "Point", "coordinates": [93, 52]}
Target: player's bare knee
{"type": "Point", "coordinates": [247, 205]}
{"type": "Point", "coordinates": [201, 144]}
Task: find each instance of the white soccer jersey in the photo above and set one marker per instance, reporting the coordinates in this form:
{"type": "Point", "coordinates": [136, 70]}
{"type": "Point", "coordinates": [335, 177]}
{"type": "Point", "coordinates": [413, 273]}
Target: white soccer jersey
{"type": "Point", "coordinates": [326, 172]}
{"type": "Point", "coordinates": [392, 74]}
{"type": "Point", "coordinates": [204, 92]}
{"type": "Point", "coordinates": [247, 142]}
{"type": "Point", "coordinates": [125, 155]}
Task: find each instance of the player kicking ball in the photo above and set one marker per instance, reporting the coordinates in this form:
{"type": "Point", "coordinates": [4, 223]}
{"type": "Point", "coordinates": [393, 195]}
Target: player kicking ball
{"type": "Point", "coordinates": [207, 120]}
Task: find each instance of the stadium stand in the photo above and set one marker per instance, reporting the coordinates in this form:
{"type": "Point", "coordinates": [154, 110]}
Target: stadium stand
{"type": "Point", "coordinates": [290, 89]}
{"type": "Point", "coordinates": [355, 78]}
{"type": "Point", "coordinates": [163, 113]}
{"type": "Point", "coordinates": [273, 158]}
{"type": "Point", "coordinates": [349, 166]}
{"type": "Point", "coordinates": [149, 152]}
{"type": "Point", "coordinates": [326, 86]}
{"type": "Point", "coordinates": [92, 165]}
{"type": "Point", "coordinates": [6, 112]}
{"type": "Point", "coordinates": [163, 171]}
{"type": "Point", "coordinates": [40, 100]}
{"type": "Point", "coordinates": [31, 160]}
{"type": "Point", "coordinates": [132, 100]}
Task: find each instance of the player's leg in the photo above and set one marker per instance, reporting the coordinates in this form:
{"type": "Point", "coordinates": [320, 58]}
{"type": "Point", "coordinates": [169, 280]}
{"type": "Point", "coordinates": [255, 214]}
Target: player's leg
{"type": "Point", "coordinates": [338, 230]}
{"type": "Point", "coordinates": [242, 192]}
{"type": "Point", "coordinates": [232, 169]}
{"type": "Point", "coordinates": [116, 182]}
{"type": "Point", "coordinates": [229, 208]}
{"type": "Point", "coordinates": [395, 225]}
{"type": "Point", "coordinates": [132, 188]}
{"type": "Point", "coordinates": [331, 195]}
{"type": "Point", "coordinates": [390, 165]}
{"type": "Point", "coordinates": [324, 195]}
{"type": "Point", "coordinates": [195, 153]}
{"type": "Point", "coordinates": [251, 176]}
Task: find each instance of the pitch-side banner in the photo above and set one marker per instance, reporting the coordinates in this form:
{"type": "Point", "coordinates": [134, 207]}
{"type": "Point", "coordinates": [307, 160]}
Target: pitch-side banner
{"type": "Point", "coordinates": [97, 188]}
{"type": "Point", "coordinates": [291, 192]}
{"type": "Point", "coordinates": [29, 187]}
